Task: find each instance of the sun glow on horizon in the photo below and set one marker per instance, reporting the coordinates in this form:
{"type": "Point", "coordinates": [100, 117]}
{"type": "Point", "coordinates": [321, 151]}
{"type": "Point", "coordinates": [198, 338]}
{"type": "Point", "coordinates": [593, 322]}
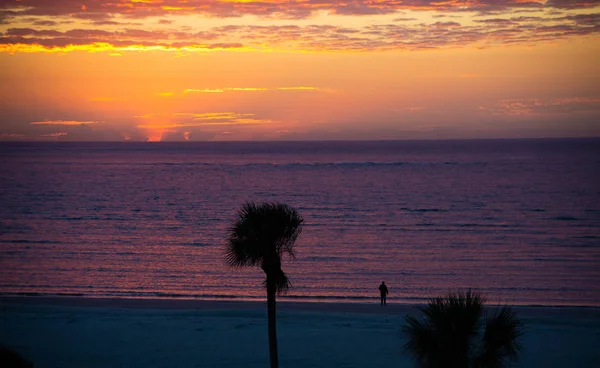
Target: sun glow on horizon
{"type": "Point", "coordinates": [149, 70]}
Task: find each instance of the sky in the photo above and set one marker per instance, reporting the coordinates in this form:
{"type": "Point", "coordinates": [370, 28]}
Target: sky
{"type": "Point", "coordinates": [220, 70]}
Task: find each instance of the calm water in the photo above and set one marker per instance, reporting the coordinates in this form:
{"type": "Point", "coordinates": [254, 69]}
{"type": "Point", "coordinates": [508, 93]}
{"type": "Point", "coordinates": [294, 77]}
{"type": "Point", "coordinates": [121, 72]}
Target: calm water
{"type": "Point", "coordinates": [516, 219]}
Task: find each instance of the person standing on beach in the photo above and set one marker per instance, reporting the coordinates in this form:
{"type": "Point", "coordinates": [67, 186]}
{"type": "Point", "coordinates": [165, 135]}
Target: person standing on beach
{"type": "Point", "coordinates": [383, 291]}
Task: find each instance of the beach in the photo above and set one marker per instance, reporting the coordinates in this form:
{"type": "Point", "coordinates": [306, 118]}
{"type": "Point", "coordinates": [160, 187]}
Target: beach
{"type": "Point", "coordinates": [98, 332]}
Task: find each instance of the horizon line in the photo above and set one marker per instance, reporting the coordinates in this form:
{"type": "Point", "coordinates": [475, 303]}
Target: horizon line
{"type": "Point", "coordinates": [309, 140]}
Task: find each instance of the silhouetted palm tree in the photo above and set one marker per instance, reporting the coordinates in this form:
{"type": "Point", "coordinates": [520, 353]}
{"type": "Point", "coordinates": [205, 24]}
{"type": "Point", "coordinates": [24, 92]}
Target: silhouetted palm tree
{"type": "Point", "coordinates": [453, 334]}
{"type": "Point", "coordinates": [258, 237]}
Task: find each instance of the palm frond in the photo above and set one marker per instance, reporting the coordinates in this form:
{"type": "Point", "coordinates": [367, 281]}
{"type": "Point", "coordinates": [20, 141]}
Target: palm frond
{"type": "Point", "coordinates": [241, 247]}
{"type": "Point", "coordinates": [451, 333]}
{"type": "Point", "coordinates": [282, 225]}
{"type": "Point", "coordinates": [280, 280]}
{"type": "Point", "coordinates": [457, 314]}
{"type": "Point", "coordinates": [260, 234]}
{"type": "Point", "coordinates": [421, 342]}
{"type": "Point", "coordinates": [263, 229]}
{"type": "Point", "coordinates": [500, 343]}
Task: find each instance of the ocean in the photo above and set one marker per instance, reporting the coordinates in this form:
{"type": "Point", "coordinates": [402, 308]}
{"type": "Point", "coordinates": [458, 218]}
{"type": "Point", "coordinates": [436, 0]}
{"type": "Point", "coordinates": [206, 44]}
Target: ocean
{"type": "Point", "coordinates": [517, 220]}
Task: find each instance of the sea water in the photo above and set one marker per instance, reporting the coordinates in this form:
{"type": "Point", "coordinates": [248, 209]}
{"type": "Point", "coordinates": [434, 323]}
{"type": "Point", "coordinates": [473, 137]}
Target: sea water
{"type": "Point", "coordinates": [518, 220]}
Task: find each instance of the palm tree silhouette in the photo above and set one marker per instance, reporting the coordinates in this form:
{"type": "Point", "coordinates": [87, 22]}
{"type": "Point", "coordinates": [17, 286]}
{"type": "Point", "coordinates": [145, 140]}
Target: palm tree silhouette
{"type": "Point", "coordinates": [258, 236]}
{"type": "Point", "coordinates": [453, 334]}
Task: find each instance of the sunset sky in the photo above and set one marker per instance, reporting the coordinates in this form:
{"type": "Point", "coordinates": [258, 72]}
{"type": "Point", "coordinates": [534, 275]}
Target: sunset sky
{"type": "Point", "coordinates": [198, 70]}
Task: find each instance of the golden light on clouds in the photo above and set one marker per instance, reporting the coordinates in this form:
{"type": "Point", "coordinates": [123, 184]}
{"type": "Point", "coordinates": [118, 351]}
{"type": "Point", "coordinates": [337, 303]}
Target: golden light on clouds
{"type": "Point", "coordinates": [157, 125]}
{"type": "Point", "coordinates": [98, 47]}
{"type": "Point", "coordinates": [298, 89]}
{"type": "Point", "coordinates": [249, 89]}
{"type": "Point", "coordinates": [243, 121]}
{"type": "Point", "coordinates": [206, 90]}
{"type": "Point", "coordinates": [178, 8]}
{"type": "Point", "coordinates": [197, 70]}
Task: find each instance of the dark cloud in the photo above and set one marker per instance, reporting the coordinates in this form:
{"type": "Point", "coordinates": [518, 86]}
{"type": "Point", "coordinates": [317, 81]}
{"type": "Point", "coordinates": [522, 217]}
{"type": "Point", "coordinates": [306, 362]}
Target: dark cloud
{"type": "Point", "coordinates": [7, 16]}
{"type": "Point", "coordinates": [445, 24]}
{"type": "Point", "coordinates": [362, 9]}
{"type": "Point", "coordinates": [527, 19]}
{"type": "Point", "coordinates": [120, 38]}
{"type": "Point", "coordinates": [45, 23]}
{"type": "Point", "coordinates": [374, 37]}
{"type": "Point", "coordinates": [584, 19]}
{"type": "Point", "coordinates": [95, 16]}
{"type": "Point", "coordinates": [32, 32]}
{"type": "Point", "coordinates": [106, 23]}
{"type": "Point", "coordinates": [105, 9]}
{"type": "Point", "coordinates": [402, 34]}
{"type": "Point", "coordinates": [572, 4]}
{"type": "Point", "coordinates": [495, 21]}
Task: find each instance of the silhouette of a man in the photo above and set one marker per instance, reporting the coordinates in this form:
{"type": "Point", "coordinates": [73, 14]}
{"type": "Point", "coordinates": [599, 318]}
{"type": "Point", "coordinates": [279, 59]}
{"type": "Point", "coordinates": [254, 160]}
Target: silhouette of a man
{"type": "Point", "coordinates": [383, 291]}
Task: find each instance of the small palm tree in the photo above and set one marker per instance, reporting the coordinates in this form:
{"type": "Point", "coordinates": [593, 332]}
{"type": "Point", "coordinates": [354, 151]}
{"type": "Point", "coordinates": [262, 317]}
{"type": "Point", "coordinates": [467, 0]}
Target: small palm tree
{"type": "Point", "coordinates": [258, 236]}
{"type": "Point", "coordinates": [453, 334]}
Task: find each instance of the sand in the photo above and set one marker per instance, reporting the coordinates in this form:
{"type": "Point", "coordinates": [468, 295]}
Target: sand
{"type": "Point", "coordinates": [79, 332]}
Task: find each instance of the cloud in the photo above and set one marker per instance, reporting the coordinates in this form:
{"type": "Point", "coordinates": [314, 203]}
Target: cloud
{"type": "Point", "coordinates": [536, 106]}
{"type": "Point", "coordinates": [571, 4]}
{"type": "Point", "coordinates": [113, 28]}
{"type": "Point", "coordinates": [117, 38]}
{"type": "Point", "coordinates": [81, 131]}
{"type": "Point", "coordinates": [246, 89]}
{"type": "Point", "coordinates": [63, 122]}
{"type": "Point", "coordinates": [206, 90]}
{"type": "Point", "coordinates": [249, 89]}
{"type": "Point", "coordinates": [54, 134]}
{"type": "Point", "coordinates": [87, 133]}
{"type": "Point", "coordinates": [298, 88]}
{"type": "Point", "coordinates": [186, 120]}
{"type": "Point", "coordinates": [198, 126]}
{"type": "Point", "coordinates": [496, 21]}
{"type": "Point", "coordinates": [9, 136]}
{"type": "Point", "coordinates": [45, 23]}
{"type": "Point", "coordinates": [105, 9]}
{"type": "Point", "coordinates": [174, 136]}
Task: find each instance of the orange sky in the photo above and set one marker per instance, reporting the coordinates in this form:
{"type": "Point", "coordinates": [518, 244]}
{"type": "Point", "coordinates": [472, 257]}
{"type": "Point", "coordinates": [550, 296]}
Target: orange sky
{"type": "Point", "coordinates": [294, 70]}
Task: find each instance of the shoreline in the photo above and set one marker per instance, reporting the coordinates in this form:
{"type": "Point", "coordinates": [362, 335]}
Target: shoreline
{"type": "Point", "coordinates": [282, 305]}
{"type": "Point", "coordinates": [281, 298]}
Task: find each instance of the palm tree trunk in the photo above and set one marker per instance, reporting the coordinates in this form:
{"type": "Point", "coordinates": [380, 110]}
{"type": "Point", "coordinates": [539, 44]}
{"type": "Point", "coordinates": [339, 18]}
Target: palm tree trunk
{"type": "Point", "coordinates": [271, 311]}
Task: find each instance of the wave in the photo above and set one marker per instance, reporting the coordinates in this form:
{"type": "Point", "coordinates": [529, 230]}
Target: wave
{"type": "Point", "coordinates": [347, 164]}
{"type": "Point", "coordinates": [25, 241]}
{"type": "Point", "coordinates": [565, 218]}
{"type": "Point", "coordinates": [358, 164]}
{"type": "Point", "coordinates": [423, 209]}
